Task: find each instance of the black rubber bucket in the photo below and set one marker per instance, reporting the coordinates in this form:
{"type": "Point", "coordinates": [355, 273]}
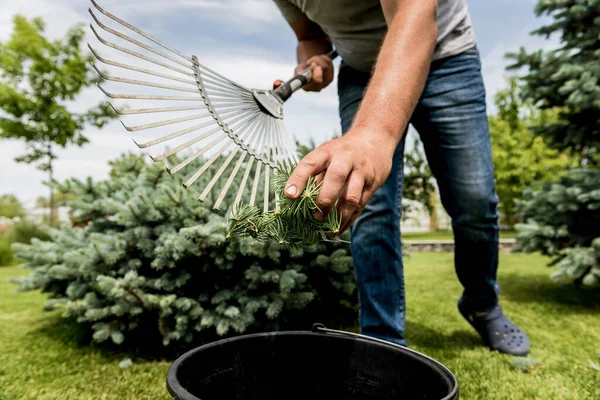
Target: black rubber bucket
{"type": "Point", "coordinates": [322, 364]}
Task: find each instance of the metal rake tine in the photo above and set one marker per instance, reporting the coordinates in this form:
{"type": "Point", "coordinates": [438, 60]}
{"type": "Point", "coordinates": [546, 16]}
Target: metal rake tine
{"type": "Point", "coordinates": [218, 174]}
{"type": "Point", "coordinates": [260, 146]}
{"type": "Point", "coordinates": [251, 129]}
{"type": "Point", "coordinates": [232, 176]}
{"type": "Point", "coordinates": [232, 96]}
{"type": "Point", "coordinates": [277, 145]}
{"type": "Point", "coordinates": [234, 110]}
{"type": "Point", "coordinates": [267, 170]}
{"type": "Point", "coordinates": [255, 183]}
{"type": "Point", "coordinates": [136, 42]}
{"type": "Point", "coordinates": [289, 154]}
{"type": "Point", "coordinates": [165, 122]}
{"type": "Point", "coordinates": [237, 104]}
{"type": "Point", "coordinates": [255, 133]}
{"type": "Point", "coordinates": [138, 55]}
{"type": "Point", "coordinates": [224, 89]}
{"type": "Point", "coordinates": [225, 102]}
{"type": "Point", "coordinates": [198, 173]}
{"type": "Point", "coordinates": [251, 160]}
{"type": "Point", "coordinates": [184, 146]}
{"type": "Point", "coordinates": [133, 28]}
{"type": "Point", "coordinates": [220, 97]}
{"type": "Point", "coordinates": [274, 150]}
{"type": "Point", "coordinates": [240, 191]}
{"type": "Point", "coordinates": [219, 101]}
{"type": "Point", "coordinates": [236, 96]}
{"type": "Point", "coordinates": [241, 115]}
{"type": "Point", "coordinates": [142, 83]}
{"type": "Point", "coordinates": [196, 154]}
{"type": "Point", "coordinates": [231, 85]}
{"type": "Point", "coordinates": [222, 111]}
{"type": "Point", "coordinates": [155, 110]}
{"type": "Point", "coordinates": [215, 96]}
{"type": "Point", "coordinates": [174, 135]}
{"type": "Point", "coordinates": [289, 143]}
{"type": "Point", "coordinates": [217, 76]}
{"type": "Point", "coordinates": [286, 148]}
{"type": "Point", "coordinates": [137, 69]}
{"type": "Point", "coordinates": [251, 147]}
{"type": "Point", "coordinates": [236, 114]}
{"type": "Point", "coordinates": [207, 165]}
{"type": "Point", "coordinates": [147, 97]}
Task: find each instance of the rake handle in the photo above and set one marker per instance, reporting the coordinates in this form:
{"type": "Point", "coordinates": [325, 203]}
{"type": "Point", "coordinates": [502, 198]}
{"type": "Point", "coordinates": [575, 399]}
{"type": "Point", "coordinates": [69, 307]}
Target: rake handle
{"type": "Point", "coordinates": [286, 89]}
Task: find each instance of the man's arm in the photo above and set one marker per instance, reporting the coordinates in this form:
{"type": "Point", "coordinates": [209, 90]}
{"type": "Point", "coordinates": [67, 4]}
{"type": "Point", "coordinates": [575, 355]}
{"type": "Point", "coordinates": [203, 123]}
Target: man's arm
{"type": "Point", "coordinates": [359, 162]}
{"type": "Point", "coordinates": [401, 69]}
{"type": "Point", "coordinates": [313, 46]}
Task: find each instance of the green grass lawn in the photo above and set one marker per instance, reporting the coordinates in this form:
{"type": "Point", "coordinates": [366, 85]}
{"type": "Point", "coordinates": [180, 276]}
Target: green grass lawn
{"type": "Point", "coordinates": [446, 235]}
{"type": "Point", "coordinates": [40, 359]}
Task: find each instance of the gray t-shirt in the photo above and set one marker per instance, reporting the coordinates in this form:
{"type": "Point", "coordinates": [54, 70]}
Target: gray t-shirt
{"type": "Point", "coordinates": [358, 27]}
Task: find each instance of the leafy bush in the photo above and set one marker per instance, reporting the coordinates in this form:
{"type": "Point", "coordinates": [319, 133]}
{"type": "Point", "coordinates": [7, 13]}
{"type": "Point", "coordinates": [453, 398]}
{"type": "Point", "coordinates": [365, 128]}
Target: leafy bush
{"type": "Point", "coordinates": [146, 261]}
{"type": "Point", "coordinates": [562, 221]}
{"type": "Point", "coordinates": [25, 230]}
{"type": "Point", "coordinates": [6, 254]}
{"type": "Point", "coordinates": [10, 206]}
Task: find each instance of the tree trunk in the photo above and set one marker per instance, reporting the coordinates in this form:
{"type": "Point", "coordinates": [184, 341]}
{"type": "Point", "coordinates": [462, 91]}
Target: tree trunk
{"type": "Point", "coordinates": [433, 220]}
{"type": "Point", "coordinates": [51, 219]}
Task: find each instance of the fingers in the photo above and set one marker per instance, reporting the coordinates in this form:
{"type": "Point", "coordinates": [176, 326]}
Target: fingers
{"type": "Point", "coordinates": [312, 164]}
{"type": "Point", "coordinates": [317, 74]}
{"type": "Point", "coordinates": [353, 218]}
{"type": "Point", "coordinates": [301, 67]}
{"type": "Point", "coordinates": [351, 199]}
{"type": "Point", "coordinates": [367, 193]}
{"type": "Point", "coordinates": [333, 185]}
{"type": "Point", "coordinates": [322, 72]}
{"type": "Point", "coordinates": [319, 178]}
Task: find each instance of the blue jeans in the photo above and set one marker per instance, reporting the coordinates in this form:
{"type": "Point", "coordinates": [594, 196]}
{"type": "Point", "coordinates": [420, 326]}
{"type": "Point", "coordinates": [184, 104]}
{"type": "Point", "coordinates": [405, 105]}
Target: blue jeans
{"type": "Point", "coordinates": [452, 123]}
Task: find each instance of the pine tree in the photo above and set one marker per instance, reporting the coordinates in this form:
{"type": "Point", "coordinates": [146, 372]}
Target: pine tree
{"type": "Point", "coordinates": [146, 261]}
{"type": "Point", "coordinates": [568, 78]}
{"type": "Point", "coordinates": [563, 219]}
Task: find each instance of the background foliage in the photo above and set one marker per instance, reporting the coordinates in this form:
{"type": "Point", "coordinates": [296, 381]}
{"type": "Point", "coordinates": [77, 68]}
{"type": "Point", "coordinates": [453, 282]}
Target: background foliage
{"type": "Point", "coordinates": [521, 159]}
{"type": "Point", "coordinates": [10, 206]}
{"type": "Point", "coordinates": [38, 78]}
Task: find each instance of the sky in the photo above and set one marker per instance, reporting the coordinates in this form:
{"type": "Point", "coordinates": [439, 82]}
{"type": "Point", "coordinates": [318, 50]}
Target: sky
{"type": "Point", "coordinates": [246, 40]}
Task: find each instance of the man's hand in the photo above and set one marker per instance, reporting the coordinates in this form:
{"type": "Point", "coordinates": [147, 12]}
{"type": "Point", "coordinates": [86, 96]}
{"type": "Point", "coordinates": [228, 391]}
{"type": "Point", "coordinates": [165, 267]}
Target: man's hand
{"type": "Point", "coordinates": [322, 72]}
{"type": "Point", "coordinates": [352, 168]}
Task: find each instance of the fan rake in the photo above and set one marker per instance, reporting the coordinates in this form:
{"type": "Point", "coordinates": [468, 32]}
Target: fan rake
{"type": "Point", "coordinates": [224, 119]}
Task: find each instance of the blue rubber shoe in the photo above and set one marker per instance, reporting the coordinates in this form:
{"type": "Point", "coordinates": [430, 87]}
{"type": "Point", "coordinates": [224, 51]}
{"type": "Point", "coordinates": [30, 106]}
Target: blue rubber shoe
{"type": "Point", "coordinates": [497, 331]}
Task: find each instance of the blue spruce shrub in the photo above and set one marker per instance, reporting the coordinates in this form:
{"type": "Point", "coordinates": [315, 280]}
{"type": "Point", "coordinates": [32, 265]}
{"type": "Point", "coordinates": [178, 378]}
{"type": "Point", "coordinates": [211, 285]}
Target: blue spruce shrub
{"type": "Point", "coordinates": [144, 260]}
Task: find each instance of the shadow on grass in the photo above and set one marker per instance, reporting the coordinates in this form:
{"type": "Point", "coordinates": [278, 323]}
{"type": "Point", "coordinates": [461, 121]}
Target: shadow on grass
{"type": "Point", "coordinates": [542, 290]}
{"type": "Point", "coordinates": [65, 331]}
{"type": "Point", "coordinates": [423, 336]}
{"type": "Point", "coordinates": [138, 347]}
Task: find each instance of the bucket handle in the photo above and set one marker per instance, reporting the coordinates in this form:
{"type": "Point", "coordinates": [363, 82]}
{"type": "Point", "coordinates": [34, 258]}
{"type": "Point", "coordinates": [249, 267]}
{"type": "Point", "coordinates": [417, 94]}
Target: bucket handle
{"type": "Point", "coordinates": [320, 328]}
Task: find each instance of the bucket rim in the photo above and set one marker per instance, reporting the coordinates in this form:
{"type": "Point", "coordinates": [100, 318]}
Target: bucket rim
{"type": "Point", "coordinates": [178, 392]}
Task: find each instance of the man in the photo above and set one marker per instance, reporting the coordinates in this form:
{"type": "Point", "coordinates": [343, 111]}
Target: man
{"type": "Point", "coordinates": [404, 61]}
